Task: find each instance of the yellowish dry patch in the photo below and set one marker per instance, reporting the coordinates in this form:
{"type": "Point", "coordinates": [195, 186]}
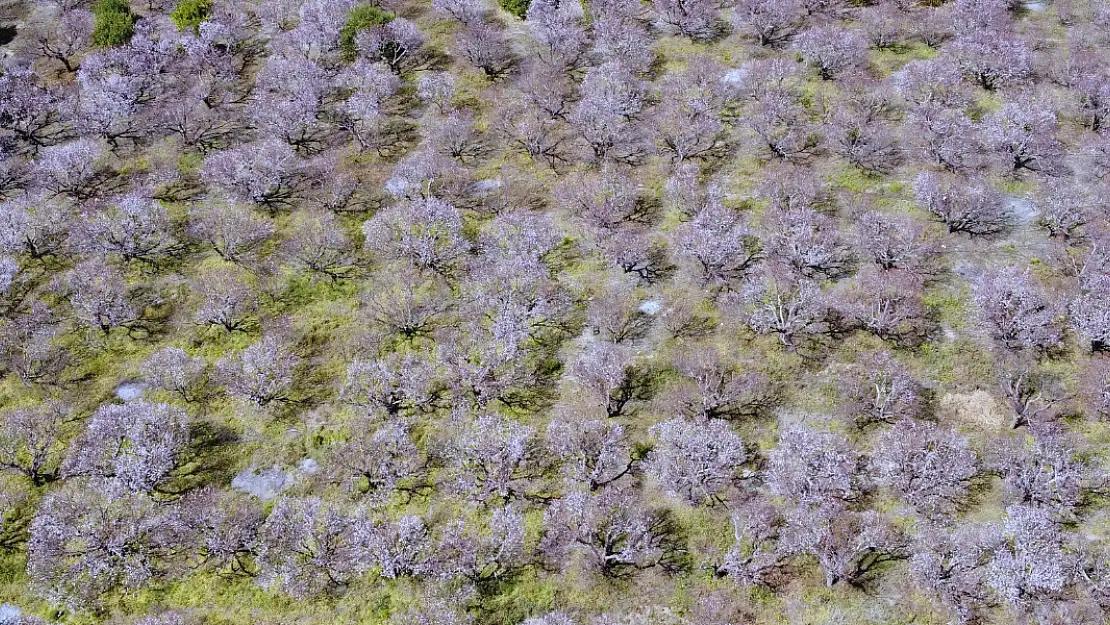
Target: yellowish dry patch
{"type": "Point", "coordinates": [975, 410]}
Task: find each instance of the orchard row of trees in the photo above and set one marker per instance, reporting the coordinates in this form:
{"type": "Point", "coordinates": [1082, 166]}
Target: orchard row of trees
{"type": "Point", "coordinates": [560, 312]}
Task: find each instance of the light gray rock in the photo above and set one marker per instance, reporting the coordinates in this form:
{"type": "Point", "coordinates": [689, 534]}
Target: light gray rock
{"type": "Point", "coordinates": [10, 615]}
{"type": "Point", "coordinates": [266, 484]}
{"type": "Point", "coordinates": [131, 390]}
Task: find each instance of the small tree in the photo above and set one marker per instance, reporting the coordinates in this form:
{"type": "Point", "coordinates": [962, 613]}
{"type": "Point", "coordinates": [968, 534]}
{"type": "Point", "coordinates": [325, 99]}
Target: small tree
{"type": "Point", "coordinates": [30, 346]}
{"type": "Point", "coordinates": [188, 14]}
{"type": "Point", "coordinates": [814, 468]}
{"type": "Point", "coordinates": [832, 51]}
{"type": "Point", "coordinates": [720, 243]}
{"type": "Point", "coordinates": [1095, 389]}
{"type": "Point", "coordinates": [1033, 562]}
{"type": "Point", "coordinates": [1023, 134]}
{"type": "Point", "coordinates": [407, 308]}
{"type": "Point", "coordinates": [366, 114]}
{"type": "Point", "coordinates": [849, 546]}
{"type": "Point", "coordinates": [1090, 308]}
{"type": "Point", "coordinates": [807, 243]}
{"type": "Point", "coordinates": [863, 140]}
{"type": "Point", "coordinates": [755, 556]}
{"type": "Point", "coordinates": [1090, 316]}
{"type": "Point", "coordinates": [262, 373]}
{"type": "Point", "coordinates": [134, 227]}
{"type": "Point", "coordinates": [771, 22]}
{"type": "Point", "coordinates": [1034, 395]}
{"type": "Point", "coordinates": [932, 82]}
{"type": "Point", "coordinates": [70, 169]}
{"type": "Point", "coordinates": [362, 17]}
{"type": "Point", "coordinates": [608, 372]}
{"type": "Point", "coordinates": [400, 548]}
{"type": "Point", "coordinates": [614, 531]}
{"type": "Point", "coordinates": [878, 390]}
{"type": "Point", "coordinates": [33, 226]}
{"type": "Point", "coordinates": [437, 88]}
{"type": "Point", "coordinates": [32, 441]}
{"type": "Point", "coordinates": [86, 542]}
{"type": "Point", "coordinates": [496, 459]}
{"type": "Point", "coordinates": [267, 172]}
{"type": "Point", "coordinates": [396, 384]}
{"type": "Point", "coordinates": [171, 369]}
{"type": "Point", "coordinates": [232, 230]}
{"type": "Point", "coordinates": [696, 461]}
{"type": "Point", "coordinates": [454, 135]}
{"type": "Point", "coordinates": [895, 242]}
{"type": "Point", "coordinates": [621, 34]}
{"type": "Point", "coordinates": [973, 207]}
{"type": "Point", "coordinates": [426, 232]}
{"type": "Point", "coordinates": [60, 36]}
{"type": "Point", "coordinates": [227, 299]}
{"type": "Point", "coordinates": [320, 246]}
{"type": "Point", "coordinates": [592, 453]}
{"type": "Point", "coordinates": [377, 461]}
{"type": "Point", "coordinates": [1064, 207]}
{"type": "Point", "coordinates": [135, 445]}
{"type": "Point", "coordinates": [223, 528]}
{"type": "Point", "coordinates": [993, 58]}
{"type": "Point", "coordinates": [888, 304]}
{"type": "Point", "coordinates": [790, 188]}
{"type": "Point", "coordinates": [1015, 311]}
{"type": "Point", "coordinates": [487, 48]}
{"type": "Point", "coordinates": [308, 547]}
{"type": "Point", "coordinates": [1051, 476]}
{"type": "Point", "coordinates": [952, 563]}
{"type": "Point", "coordinates": [98, 295]}
{"type": "Point", "coordinates": [560, 30]}
{"type": "Point", "coordinates": [696, 19]}
{"type": "Point", "coordinates": [712, 388]}
{"type": "Point", "coordinates": [481, 553]}
{"type": "Point", "coordinates": [113, 23]}
{"type": "Point", "coordinates": [788, 307]}
{"type": "Point", "coordinates": [931, 469]}
{"type": "Point", "coordinates": [607, 201]}
{"type": "Point", "coordinates": [398, 44]}
{"type": "Point", "coordinates": [616, 316]}
{"type": "Point", "coordinates": [947, 135]}
{"type": "Point", "coordinates": [688, 123]}
{"type": "Point", "coordinates": [884, 26]}
{"type": "Point", "coordinates": [466, 12]}
{"type": "Point", "coordinates": [783, 127]}
{"type": "Point", "coordinates": [607, 117]}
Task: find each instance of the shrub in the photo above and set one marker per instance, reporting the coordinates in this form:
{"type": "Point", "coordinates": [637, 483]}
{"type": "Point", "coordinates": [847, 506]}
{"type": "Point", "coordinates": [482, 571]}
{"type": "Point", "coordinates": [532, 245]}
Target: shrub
{"type": "Point", "coordinates": [113, 23]}
{"type": "Point", "coordinates": [517, 7]}
{"type": "Point", "coordinates": [188, 14]}
{"type": "Point", "coordinates": [362, 17]}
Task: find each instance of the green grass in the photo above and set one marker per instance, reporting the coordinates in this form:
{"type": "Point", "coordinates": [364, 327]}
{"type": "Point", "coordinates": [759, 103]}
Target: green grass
{"type": "Point", "coordinates": [889, 60]}
{"type": "Point", "coordinates": [518, 8]}
{"type": "Point", "coordinates": [958, 364]}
